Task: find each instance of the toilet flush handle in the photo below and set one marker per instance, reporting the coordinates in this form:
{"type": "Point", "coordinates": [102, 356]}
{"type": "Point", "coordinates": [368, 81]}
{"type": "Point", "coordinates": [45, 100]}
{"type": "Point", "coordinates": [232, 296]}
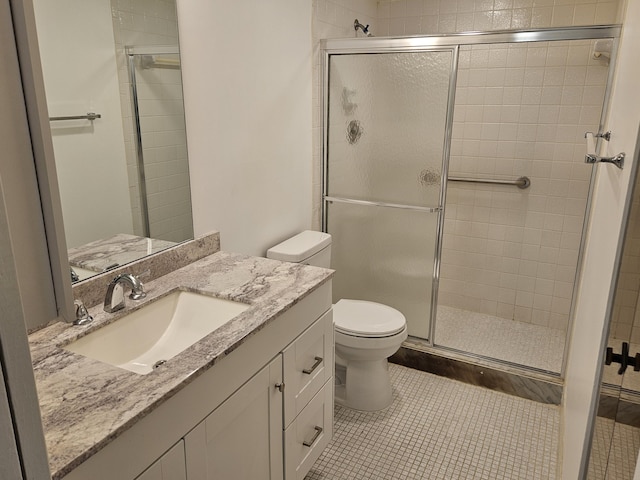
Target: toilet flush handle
{"type": "Point", "coordinates": [317, 363]}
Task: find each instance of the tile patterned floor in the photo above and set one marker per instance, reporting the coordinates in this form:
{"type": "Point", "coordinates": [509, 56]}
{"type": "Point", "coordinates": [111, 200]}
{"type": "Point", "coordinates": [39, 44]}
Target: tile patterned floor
{"type": "Point", "coordinates": [517, 342]}
{"type": "Point", "coordinates": [441, 429]}
{"type": "Point", "coordinates": [620, 462]}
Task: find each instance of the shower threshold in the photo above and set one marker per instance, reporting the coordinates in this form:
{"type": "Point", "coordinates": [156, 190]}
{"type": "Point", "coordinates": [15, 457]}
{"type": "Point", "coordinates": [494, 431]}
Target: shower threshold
{"type": "Point", "coordinates": [530, 383]}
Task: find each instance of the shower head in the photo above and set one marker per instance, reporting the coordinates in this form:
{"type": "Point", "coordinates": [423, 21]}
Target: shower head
{"type": "Point", "coordinates": [365, 29]}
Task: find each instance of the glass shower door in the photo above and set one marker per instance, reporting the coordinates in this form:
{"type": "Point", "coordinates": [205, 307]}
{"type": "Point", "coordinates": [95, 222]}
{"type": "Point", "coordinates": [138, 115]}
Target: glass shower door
{"type": "Point", "coordinates": [386, 155]}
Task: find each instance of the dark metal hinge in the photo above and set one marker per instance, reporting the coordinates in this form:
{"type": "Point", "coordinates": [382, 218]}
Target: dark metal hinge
{"type": "Point", "coordinates": [623, 359]}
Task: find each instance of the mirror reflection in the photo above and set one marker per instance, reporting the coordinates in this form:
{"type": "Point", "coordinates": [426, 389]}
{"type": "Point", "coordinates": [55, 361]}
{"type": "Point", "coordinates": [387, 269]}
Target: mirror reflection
{"type": "Point", "coordinates": [114, 92]}
{"type": "Point", "coordinates": [616, 438]}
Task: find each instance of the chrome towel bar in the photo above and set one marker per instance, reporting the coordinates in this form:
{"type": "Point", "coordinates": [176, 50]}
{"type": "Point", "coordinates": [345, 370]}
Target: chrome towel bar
{"type": "Point", "coordinates": [521, 182]}
{"type": "Point", "coordinates": [88, 116]}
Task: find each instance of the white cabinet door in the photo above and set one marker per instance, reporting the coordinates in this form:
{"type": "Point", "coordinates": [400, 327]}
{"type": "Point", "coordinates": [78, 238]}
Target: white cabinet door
{"type": "Point", "coordinates": [171, 466]}
{"type": "Point", "coordinates": [242, 438]}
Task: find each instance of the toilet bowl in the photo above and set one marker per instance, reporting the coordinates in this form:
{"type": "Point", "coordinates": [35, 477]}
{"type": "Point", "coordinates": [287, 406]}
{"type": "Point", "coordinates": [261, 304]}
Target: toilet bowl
{"type": "Point", "coordinates": [366, 333]}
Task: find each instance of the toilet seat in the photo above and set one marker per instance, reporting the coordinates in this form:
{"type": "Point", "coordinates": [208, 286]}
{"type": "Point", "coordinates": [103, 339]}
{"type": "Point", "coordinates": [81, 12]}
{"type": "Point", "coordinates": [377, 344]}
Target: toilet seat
{"type": "Point", "coordinates": [360, 318]}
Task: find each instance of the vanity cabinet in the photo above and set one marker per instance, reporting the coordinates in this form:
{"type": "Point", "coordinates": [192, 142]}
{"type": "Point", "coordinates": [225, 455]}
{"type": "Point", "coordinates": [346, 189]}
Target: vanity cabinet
{"type": "Point", "coordinates": [264, 411]}
{"type": "Point", "coordinates": [171, 466]}
{"type": "Point", "coordinates": [242, 438]}
{"type": "Point", "coordinates": [277, 424]}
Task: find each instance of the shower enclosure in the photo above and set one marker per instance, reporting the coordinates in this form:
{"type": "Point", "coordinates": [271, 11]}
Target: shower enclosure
{"type": "Point", "coordinates": [455, 186]}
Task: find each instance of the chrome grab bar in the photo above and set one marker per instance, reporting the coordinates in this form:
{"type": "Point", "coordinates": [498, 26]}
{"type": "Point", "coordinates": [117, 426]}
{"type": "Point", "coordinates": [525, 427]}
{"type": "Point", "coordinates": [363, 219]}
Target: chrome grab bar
{"type": "Point", "coordinates": [521, 182]}
{"type": "Point", "coordinates": [89, 116]}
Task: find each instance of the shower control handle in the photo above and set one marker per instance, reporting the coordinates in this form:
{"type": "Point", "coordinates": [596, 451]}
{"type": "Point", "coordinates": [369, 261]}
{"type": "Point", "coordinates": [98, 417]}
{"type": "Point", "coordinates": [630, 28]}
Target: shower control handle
{"type": "Point", "coordinates": [318, 362]}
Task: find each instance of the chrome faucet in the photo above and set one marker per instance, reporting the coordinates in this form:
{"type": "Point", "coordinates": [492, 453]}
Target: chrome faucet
{"type": "Point", "coordinates": [114, 299]}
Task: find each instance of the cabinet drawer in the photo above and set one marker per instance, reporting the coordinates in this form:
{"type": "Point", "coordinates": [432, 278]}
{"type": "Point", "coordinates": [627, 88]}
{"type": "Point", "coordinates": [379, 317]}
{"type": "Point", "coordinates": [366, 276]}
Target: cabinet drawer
{"type": "Point", "coordinates": [307, 365]}
{"type": "Point", "coordinates": [309, 434]}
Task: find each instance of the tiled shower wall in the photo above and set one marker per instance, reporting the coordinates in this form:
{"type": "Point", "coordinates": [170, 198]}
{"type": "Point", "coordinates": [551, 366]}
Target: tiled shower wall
{"type": "Point", "coordinates": [413, 17]}
{"type": "Point", "coordinates": [520, 110]}
{"type": "Point", "coordinates": [143, 23]}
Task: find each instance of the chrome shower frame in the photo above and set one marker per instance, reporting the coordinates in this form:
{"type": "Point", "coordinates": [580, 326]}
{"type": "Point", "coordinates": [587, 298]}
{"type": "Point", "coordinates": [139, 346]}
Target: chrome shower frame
{"type": "Point", "coordinates": [373, 45]}
{"type": "Point", "coordinates": [132, 52]}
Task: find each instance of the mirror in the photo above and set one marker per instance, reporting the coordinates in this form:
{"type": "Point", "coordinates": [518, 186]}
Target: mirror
{"type": "Point", "coordinates": [122, 165]}
{"type": "Point", "coordinates": [616, 438]}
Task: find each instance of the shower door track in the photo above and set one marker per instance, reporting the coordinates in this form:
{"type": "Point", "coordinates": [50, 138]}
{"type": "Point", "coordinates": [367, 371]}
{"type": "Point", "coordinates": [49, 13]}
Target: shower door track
{"type": "Point", "coordinates": [368, 45]}
{"type": "Point", "coordinates": [404, 44]}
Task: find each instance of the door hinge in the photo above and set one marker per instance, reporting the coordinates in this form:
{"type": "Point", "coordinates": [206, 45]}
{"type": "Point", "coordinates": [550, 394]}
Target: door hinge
{"type": "Point", "coordinates": [623, 359]}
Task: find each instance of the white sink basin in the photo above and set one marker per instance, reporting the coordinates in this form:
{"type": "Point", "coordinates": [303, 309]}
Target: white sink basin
{"type": "Point", "coordinates": [158, 331]}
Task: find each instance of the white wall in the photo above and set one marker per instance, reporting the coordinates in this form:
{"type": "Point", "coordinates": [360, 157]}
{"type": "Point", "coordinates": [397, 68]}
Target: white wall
{"type": "Point", "coordinates": [589, 329]}
{"type": "Point", "coordinates": [79, 66]}
{"type": "Point", "coordinates": [247, 87]}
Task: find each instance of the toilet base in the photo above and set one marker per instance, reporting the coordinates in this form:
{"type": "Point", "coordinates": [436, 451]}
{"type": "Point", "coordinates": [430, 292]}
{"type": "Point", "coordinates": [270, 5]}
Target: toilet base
{"type": "Point", "coordinates": [367, 386]}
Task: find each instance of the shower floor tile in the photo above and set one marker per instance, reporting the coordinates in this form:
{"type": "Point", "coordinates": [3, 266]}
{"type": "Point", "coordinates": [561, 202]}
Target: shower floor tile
{"type": "Point", "coordinates": [494, 337]}
{"type": "Point", "coordinates": [441, 429]}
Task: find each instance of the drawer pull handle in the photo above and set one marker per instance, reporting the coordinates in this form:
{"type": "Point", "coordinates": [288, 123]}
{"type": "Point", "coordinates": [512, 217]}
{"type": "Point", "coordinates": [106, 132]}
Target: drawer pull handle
{"type": "Point", "coordinates": [317, 363]}
{"type": "Point", "coordinates": [280, 386]}
{"type": "Point", "coordinates": [315, 437]}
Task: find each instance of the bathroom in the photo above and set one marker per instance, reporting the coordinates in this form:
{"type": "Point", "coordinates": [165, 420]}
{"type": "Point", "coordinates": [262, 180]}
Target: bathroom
{"type": "Point", "coordinates": [225, 107]}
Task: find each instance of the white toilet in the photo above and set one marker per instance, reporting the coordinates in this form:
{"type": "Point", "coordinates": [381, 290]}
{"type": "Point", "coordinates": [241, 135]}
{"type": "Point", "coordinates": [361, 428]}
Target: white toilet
{"type": "Point", "coordinates": [366, 333]}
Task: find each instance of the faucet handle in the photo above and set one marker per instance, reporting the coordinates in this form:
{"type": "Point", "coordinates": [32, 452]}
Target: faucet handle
{"type": "Point", "coordinates": [82, 315]}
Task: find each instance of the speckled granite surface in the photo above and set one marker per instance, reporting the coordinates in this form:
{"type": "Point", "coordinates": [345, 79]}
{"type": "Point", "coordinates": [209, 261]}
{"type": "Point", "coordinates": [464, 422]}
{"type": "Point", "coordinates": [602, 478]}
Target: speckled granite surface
{"type": "Point", "coordinates": [91, 291]}
{"type": "Point", "coordinates": [114, 251]}
{"type": "Point", "coordinates": [85, 404]}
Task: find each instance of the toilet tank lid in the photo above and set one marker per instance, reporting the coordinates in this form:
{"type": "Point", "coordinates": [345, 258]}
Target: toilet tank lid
{"type": "Point", "coordinates": [300, 247]}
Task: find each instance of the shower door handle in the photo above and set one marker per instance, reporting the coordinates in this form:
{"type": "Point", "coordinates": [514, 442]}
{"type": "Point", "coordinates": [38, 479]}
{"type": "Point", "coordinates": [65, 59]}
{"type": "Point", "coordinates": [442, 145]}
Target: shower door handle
{"type": "Point", "coordinates": [618, 160]}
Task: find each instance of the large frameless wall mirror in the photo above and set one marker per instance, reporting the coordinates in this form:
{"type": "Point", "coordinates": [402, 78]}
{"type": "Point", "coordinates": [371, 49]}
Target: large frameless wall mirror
{"type": "Point", "coordinates": [122, 165]}
{"type": "Point", "coordinates": [616, 437]}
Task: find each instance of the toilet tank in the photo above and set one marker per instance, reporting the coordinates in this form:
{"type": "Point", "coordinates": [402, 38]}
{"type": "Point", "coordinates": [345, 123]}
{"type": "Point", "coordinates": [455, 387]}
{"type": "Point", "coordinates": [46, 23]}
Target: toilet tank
{"type": "Point", "coordinates": [308, 247]}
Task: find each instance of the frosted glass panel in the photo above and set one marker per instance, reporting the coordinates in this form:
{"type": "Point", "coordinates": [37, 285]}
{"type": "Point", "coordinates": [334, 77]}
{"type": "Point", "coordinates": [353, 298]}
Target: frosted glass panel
{"type": "Point", "coordinates": [387, 118]}
{"type": "Point", "coordinates": [384, 255]}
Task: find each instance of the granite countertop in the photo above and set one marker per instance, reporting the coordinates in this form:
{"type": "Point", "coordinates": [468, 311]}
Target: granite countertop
{"type": "Point", "coordinates": [85, 403]}
{"type": "Point", "coordinates": [120, 249]}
